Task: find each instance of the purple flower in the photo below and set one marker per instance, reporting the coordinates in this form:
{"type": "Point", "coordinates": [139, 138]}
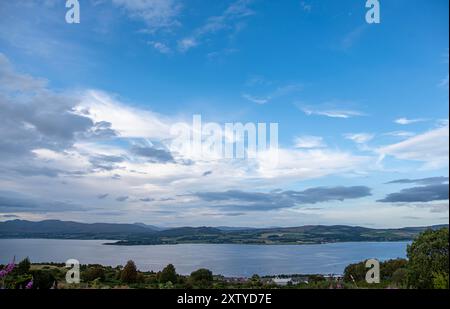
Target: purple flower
{"type": "Point", "coordinates": [29, 285]}
{"type": "Point", "coordinates": [10, 267]}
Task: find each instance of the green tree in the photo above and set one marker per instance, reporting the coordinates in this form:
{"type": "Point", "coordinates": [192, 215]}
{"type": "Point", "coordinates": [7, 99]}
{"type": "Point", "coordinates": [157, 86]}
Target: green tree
{"type": "Point", "coordinates": [24, 266]}
{"type": "Point", "coordinates": [440, 281]}
{"type": "Point", "coordinates": [43, 279]}
{"type": "Point", "coordinates": [202, 277]}
{"type": "Point", "coordinates": [168, 274]}
{"type": "Point", "coordinates": [428, 265]}
{"type": "Point", "coordinates": [129, 273]}
{"type": "Point", "coordinates": [355, 272]}
{"type": "Point", "coordinates": [92, 273]}
{"type": "Point", "coordinates": [255, 281]}
{"type": "Point", "coordinates": [388, 268]}
{"type": "Point", "coordinates": [400, 277]}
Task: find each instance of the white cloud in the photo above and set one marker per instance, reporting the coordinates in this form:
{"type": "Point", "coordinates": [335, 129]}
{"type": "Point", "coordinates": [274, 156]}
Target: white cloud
{"type": "Point", "coordinates": [359, 138]}
{"type": "Point", "coordinates": [332, 113]}
{"type": "Point", "coordinates": [157, 14]}
{"type": "Point", "coordinates": [160, 47]}
{"type": "Point", "coordinates": [309, 164]}
{"type": "Point", "coordinates": [186, 44]}
{"type": "Point", "coordinates": [431, 147]}
{"type": "Point", "coordinates": [444, 82]}
{"type": "Point", "coordinates": [279, 92]}
{"type": "Point", "coordinates": [307, 7]}
{"type": "Point", "coordinates": [255, 99]}
{"type": "Point", "coordinates": [406, 121]}
{"type": "Point", "coordinates": [129, 122]}
{"type": "Point", "coordinates": [400, 134]}
{"type": "Point", "coordinates": [229, 20]}
{"type": "Point", "coordinates": [308, 142]}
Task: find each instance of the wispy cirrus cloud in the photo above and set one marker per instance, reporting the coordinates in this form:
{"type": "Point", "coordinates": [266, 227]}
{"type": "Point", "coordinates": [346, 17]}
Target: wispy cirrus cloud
{"type": "Point", "coordinates": [157, 14]}
{"type": "Point", "coordinates": [279, 92]}
{"type": "Point", "coordinates": [160, 47]}
{"type": "Point", "coordinates": [332, 113]}
{"type": "Point", "coordinates": [306, 6]}
{"type": "Point", "coordinates": [431, 147]}
{"type": "Point", "coordinates": [231, 20]}
{"type": "Point", "coordinates": [400, 134]}
{"type": "Point", "coordinates": [407, 121]}
{"type": "Point", "coordinates": [359, 138]}
{"type": "Point", "coordinates": [309, 142]}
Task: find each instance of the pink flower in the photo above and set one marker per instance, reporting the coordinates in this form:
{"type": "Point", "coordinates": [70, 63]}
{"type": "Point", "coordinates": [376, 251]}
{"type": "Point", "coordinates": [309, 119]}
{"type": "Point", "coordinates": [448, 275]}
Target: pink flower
{"type": "Point", "coordinates": [8, 269]}
{"type": "Point", "coordinates": [29, 285]}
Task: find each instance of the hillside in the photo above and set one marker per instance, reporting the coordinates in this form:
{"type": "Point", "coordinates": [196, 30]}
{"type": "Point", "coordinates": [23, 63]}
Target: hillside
{"type": "Point", "coordinates": [70, 230]}
{"type": "Point", "coordinates": [139, 234]}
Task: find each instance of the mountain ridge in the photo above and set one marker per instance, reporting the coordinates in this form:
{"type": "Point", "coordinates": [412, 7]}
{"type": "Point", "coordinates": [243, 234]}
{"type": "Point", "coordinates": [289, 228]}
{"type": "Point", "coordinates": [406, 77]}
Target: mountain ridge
{"type": "Point", "coordinates": [141, 234]}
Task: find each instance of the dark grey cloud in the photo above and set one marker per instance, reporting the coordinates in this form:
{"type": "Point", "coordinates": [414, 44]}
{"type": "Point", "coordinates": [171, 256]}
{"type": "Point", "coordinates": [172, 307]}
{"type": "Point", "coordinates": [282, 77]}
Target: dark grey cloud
{"type": "Point", "coordinates": [207, 173]}
{"type": "Point", "coordinates": [43, 120]}
{"type": "Point", "coordinates": [438, 192]}
{"type": "Point", "coordinates": [105, 162]}
{"type": "Point", "coordinates": [422, 181]}
{"type": "Point", "coordinates": [34, 117]}
{"type": "Point", "coordinates": [122, 198]}
{"type": "Point", "coordinates": [17, 202]}
{"type": "Point", "coordinates": [116, 177]}
{"type": "Point", "coordinates": [101, 130]}
{"type": "Point", "coordinates": [147, 199]}
{"type": "Point", "coordinates": [102, 196]}
{"type": "Point", "coordinates": [241, 200]}
{"type": "Point", "coordinates": [29, 170]}
{"type": "Point", "coordinates": [166, 199]}
{"type": "Point", "coordinates": [153, 154]}
{"type": "Point", "coordinates": [9, 216]}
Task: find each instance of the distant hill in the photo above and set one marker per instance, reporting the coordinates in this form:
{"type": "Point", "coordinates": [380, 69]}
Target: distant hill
{"type": "Point", "coordinates": [151, 227]}
{"type": "Point", "coordinates": [69, 229]}
{"type": "Point", "coordinates": [141, 234]}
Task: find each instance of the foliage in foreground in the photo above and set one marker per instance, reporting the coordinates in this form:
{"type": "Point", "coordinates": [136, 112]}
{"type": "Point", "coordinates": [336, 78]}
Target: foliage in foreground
{"type": "Point", "coordinates": [427, 266]}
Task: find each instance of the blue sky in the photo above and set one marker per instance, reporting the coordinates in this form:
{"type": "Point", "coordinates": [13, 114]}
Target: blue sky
{"type": "Point", "coordinates": [86, 110]}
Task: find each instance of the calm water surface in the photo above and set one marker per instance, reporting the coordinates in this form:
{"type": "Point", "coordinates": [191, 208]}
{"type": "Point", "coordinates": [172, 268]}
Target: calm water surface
{"type": "Point", "coordinates": [228, 260]}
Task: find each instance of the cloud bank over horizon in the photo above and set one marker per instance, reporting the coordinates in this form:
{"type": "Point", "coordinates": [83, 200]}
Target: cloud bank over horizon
{"type": "Point", "coordinates": [88, 135]}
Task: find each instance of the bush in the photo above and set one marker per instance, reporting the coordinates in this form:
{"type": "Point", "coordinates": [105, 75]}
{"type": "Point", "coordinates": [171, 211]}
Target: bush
{"type": "Point", "coordinates": [24, 266]}
{"type": "Point", "coordinates": [43, 279]}
{"type": "Point", "coordinates": [400, 277]}
{"type": "Point", "coordinates": [440, 281]}
{"type": "Point", "coordinates": [129, 273]}
{"type": "Point", "coordinates": [202, 277]}
{"type": "Point", "coordinates": [428, 265]}
{"type": "Point", "coordinates": [355, 272]}
{"type": "Point", "coordinates": [93, 273]}
{"type": "Point", "coordinates": [388, 268]}
{"type": "Point", "coordinates": [168, 274]}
